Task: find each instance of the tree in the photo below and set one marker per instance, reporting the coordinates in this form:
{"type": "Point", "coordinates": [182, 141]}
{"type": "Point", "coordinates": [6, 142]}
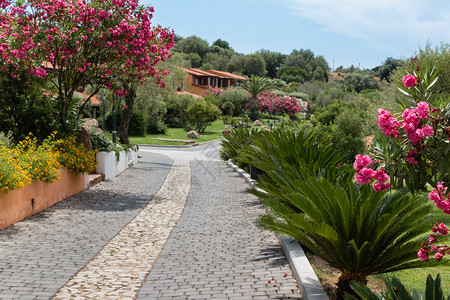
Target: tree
{"type": "Point", "coordinates": [222, 44]}
{"type": "Point", "coordinates": [214, 61]}
{"type": "Point", "coordinates": [359, 81]}
{"type": "Point", "coordinates": [104, 43]}
{"type": "Point", "coordinates": [254, 65]}
{"type": "Point", "coordinates": [292, 74]}
{"type": "Point", "coordinates": [389, 66]}
{"type": "Point", "coordinates": [193, 44]}
{"type": "Point", "coordinates": [315, 67]}
{"type": "Point", "coordinates": [236, 63]}
{"type": "Point", "coordinates": [273, 60]}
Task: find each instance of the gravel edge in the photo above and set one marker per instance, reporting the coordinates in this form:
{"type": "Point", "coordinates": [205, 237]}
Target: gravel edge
{"type": "Point", "coordinates": [307, 280]}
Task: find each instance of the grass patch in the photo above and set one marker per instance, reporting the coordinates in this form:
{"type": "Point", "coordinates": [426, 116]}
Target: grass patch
{"type": "Point", "coordinates": [212, 132]}
{"type": "Point", "coordinates": [416, 278]}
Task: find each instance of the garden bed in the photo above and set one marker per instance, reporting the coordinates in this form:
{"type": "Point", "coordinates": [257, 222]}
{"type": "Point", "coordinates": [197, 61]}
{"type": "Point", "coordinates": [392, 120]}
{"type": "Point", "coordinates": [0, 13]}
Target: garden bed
{"type": "Point", "coordinates": [37, 196]}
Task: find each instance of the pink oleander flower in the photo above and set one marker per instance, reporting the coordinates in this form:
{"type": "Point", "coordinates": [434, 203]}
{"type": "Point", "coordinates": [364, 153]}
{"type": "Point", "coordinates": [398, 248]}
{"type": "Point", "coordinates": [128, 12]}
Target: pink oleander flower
{"type": "Point", "coordinates": [381, 187]}
{"type": "Point", "coordinates": [443, 229]}
{"type": "Point", "coordinates": [409, 81]}
{"type": "Point", "coordinates": [439, 256]}
{"type": "Point", "coordinates": [427, 130]}
{"type": "Point", "coordinates": [422, 110]}
{"type": "Point", "coordinates": [432, 238]}
{"type": "Point", "coordinates": [410, 116]}
{"type": "Point", "coordinates": [367, 172]}
{"type": "Point", "coordinates": [125, 106]}
{"type": "Point", "coordinates": [439, 197]}
{"type": "Point", "coordinates": [361, 161]}
{"type": "Point", "coordinates": [412, 157]}
{"type": "Point", "coordinates": [423, 255]}
{"type": "Point", "coordinates": [413, 137]}
{"type": "Point", "coordinates": [388, 124]}
{"type": "Point", "coordinates": [360, 179]}
{"type": "Point", "coordinates": [381, 176]}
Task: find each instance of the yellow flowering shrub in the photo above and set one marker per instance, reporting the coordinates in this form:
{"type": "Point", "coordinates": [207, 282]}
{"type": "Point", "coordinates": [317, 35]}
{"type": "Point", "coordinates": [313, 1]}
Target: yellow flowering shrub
{"type": "Point", "coordinates": [30, 160]}
{"type": "Point", "coordinates": [13, 172]}
{"type": "Point", "coordinates": [41, 161]}
{"type": "Point", "coordinates": [74, 156]}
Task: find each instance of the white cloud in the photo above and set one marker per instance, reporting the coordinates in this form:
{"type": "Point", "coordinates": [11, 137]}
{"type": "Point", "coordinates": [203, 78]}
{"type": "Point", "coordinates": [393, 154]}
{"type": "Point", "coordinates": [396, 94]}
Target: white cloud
{"type": "Point", "coordinates": [379, 21]}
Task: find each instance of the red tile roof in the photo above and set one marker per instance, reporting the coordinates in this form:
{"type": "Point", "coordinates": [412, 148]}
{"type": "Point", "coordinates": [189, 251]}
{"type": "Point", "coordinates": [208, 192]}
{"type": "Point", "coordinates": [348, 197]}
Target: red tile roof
{"type": "Point", "coordinates": [199, 72]}
{"type": "Point", "coordinates": [228, 75]}
{"type": "Point", "coordinates": [214, 73]}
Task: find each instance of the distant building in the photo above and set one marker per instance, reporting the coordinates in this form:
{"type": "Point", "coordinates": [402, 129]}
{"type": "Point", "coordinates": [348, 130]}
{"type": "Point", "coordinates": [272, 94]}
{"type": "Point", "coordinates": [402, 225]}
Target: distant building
{"type": "Point", "coordinates": [198, 81]}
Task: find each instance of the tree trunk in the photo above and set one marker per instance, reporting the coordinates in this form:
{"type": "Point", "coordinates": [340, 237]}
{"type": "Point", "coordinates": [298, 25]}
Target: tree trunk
{"type": "Point", "coordinates": [343, 284]}
{"type": "Point", "coordinates": [122, 132]}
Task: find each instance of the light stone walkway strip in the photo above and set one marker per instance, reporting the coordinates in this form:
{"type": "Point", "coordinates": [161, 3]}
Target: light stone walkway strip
{"type": "Point", "coordinates": [120, 268]}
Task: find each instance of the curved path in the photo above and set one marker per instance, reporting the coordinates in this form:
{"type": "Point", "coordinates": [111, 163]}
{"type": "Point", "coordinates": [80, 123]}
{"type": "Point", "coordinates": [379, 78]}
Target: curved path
{"type": "Point", "coordinates": [177, 225]}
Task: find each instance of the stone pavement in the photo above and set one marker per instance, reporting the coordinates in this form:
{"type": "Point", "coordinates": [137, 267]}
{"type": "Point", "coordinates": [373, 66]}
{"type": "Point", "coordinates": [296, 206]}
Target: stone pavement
{"type": "Point", "coordinates": [102, 243]}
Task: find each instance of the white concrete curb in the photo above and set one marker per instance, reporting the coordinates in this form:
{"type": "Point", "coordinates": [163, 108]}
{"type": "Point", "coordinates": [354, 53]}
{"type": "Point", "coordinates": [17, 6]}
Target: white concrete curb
{"type": "Point", "coordinates": [307, 280]}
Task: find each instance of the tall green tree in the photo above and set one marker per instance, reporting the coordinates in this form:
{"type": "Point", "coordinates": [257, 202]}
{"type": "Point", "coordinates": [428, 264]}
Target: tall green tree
{"type": "Point", "coordinates": [388, 67]}
{"type": "Point", "coordinates": [254, 65]}
{"type": "Point", "coordinates": [193, 44]}
{"type": "Point", "coordinates": [273, 60]}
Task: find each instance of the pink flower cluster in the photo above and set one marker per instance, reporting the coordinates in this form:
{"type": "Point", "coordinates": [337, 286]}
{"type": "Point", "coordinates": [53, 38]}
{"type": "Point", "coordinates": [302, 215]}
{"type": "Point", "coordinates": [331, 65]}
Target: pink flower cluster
{"type": "Point", "coordinates": [411, 123]}
{"type": "Point", "coordinates": [409, 81]}
{"type": "Point", "coordinates": [87, 36]}
{"type": "Point", "coordinates": [440, 197]}
{"type": "Point", "coordinates": [270, 102]}
{"type": "Point", "coordinates": [364, 174]}
{"type": "Point", "coordinates": [388, 123]}
{"type": "Point", "coordinates": [212, 91]}
{"type": "Point", "coordinates": [431, 247]}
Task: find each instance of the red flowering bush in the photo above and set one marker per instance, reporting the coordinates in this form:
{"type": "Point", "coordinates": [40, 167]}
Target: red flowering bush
{"type": "Point", "coordinates": [91, 42]}
{"type": "Point", "coordinates": [269, 102]}
{"type": "Point", "coordinates": [212, 91]}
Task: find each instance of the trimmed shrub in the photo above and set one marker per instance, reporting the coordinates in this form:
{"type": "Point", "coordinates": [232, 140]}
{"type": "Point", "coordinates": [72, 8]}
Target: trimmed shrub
{"type": "Point", "coordinates": [199, 115]}
{"type": "Point", "coordinates": [157, 127]}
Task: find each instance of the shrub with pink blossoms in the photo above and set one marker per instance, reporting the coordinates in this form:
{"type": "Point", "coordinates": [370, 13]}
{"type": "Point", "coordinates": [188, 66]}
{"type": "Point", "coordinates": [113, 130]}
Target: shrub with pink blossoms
{"type": "Point", "coordinates": [364, 174]}
{"type": "Point", "coordinates": [430, 247]}
{"type": "Point", "coordinates": [270, 102]}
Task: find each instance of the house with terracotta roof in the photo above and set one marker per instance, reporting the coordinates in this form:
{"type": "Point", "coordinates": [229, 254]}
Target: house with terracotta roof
{"type": "Point", "coordinates": [198, 81]}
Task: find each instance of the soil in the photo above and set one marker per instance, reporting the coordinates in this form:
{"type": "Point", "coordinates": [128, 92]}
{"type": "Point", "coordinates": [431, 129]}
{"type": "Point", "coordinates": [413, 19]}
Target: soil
{"type": "Point", "coordinates": [328, 277]}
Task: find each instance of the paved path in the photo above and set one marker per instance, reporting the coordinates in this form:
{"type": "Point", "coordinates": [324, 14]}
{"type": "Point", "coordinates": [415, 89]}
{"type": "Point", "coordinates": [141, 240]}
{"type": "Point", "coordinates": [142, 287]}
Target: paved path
{"type": "Point", "coordinates": [102, 243]}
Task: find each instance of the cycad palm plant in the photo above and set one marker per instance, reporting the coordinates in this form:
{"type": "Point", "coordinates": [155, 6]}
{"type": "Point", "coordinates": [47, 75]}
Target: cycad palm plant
{"type": "Point", "coordinates": [314, 200]}
{"type": "Point", "coordinates": [256, 85]}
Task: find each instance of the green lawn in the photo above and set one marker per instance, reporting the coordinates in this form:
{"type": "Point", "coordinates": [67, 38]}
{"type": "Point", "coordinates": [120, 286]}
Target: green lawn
{"type": "Point", "coordinates": [416, 278]}
{"type": "Point", "coordinates": [212, 132]}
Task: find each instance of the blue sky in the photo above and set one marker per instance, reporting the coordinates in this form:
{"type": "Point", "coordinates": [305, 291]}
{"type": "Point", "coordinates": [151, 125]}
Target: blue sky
{"type": "Point", "coordinates": [358, 32]}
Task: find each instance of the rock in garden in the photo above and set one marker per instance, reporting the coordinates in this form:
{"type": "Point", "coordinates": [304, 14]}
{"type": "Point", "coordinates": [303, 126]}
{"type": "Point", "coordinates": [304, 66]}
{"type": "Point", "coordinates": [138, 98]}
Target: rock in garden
{"type": "Point", "coordinates": [83, 138]}
{"type": "Point", "coordinates": [91, 124]}
{"type": "Point", "coordinates": [229, 126]}
{"type": "Point", "coordinates": [257, 123]}
{"type": "Point", "coordinates": [193, 134]}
